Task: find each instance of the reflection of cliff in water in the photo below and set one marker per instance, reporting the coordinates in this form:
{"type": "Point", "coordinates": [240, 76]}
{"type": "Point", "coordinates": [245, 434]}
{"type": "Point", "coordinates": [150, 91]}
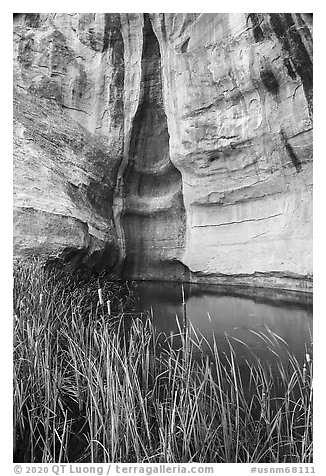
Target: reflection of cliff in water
{"type": "Point", "coordinates": [236, 314]}
{"type": "Point", "coordinates": [171, 292]}
{"type": "Point", "coordinates": [273, 297]}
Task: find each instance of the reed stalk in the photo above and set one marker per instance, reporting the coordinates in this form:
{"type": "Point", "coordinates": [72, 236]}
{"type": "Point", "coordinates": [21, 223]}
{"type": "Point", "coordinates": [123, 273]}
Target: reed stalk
{"type": "Point", "coordinates": [92, 386]}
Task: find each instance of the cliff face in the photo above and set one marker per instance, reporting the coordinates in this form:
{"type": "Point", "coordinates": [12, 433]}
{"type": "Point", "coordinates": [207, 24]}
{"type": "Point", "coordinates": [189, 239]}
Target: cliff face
{"type": "Point", "coordinates": [167, 146]}
{"type": "Point", "coordinates": [68, 135]}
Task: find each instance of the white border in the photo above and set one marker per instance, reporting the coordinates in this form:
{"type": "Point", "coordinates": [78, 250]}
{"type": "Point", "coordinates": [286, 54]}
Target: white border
{"type": "Point", "coordinates": [319, 193]}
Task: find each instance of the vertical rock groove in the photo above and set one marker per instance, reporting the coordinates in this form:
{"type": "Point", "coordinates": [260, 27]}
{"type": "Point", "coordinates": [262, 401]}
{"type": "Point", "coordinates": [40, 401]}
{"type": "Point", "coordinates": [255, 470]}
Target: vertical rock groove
{"type": "Point", "coordinates": [154, 215]}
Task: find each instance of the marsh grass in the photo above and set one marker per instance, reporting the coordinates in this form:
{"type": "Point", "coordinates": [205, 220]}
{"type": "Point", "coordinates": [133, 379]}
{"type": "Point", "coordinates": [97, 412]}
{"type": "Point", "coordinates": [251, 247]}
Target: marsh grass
{"type": "Point", "coordinates": [90, 387]}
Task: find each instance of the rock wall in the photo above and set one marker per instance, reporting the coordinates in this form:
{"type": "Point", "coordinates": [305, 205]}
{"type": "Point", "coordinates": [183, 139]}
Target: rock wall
{"type": "Point", "coordinates": [68, 135]}
{"type": "Point", "coordinates": [167, 146]}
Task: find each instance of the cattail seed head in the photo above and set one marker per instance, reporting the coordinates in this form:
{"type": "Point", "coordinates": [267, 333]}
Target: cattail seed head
{"type": "Point", "coordinates": [183, 293]}
{"type": "Point", "coordinates": [100, 296]}
{"type": "Point", "coordinates": [304, 373]}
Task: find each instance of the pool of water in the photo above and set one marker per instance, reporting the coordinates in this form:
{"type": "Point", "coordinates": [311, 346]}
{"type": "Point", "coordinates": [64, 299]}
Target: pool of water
{"type": "Point", "coordinates": [241, 315]}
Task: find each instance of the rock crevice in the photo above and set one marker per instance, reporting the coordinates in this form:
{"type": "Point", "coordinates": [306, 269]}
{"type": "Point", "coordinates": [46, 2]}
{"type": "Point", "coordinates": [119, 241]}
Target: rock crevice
{"type": "Point", "coordinates": [154, 216]}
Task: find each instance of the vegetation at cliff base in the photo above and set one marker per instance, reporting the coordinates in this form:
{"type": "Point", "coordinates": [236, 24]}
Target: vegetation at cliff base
{"type": "Point", "coordinates": [95, 383]}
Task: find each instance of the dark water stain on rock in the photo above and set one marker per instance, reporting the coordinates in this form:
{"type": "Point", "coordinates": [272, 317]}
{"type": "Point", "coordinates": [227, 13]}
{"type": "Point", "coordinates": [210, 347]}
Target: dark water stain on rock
{"type": "Point", "coordinates": [269, 81]}
{"type": "Point", "coordinates": [287, 32]}
{"type": "Point", "coordinates": [113, 40]}
{"type": "Point", "coordinates": [256, 28]}
{"type": "Point", "coordinates": [26, 51]}
{"type": "Point", "coordinates": [32, 20]}
{"type": "Point", "coordinates": [294, 159]}
{"type": "Point", "coordinates": [291, 72]}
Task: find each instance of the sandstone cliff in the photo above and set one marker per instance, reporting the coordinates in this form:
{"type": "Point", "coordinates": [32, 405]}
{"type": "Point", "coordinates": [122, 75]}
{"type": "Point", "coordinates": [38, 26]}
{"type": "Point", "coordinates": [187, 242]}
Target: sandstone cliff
{"type": "Point", "coordinates": [166, 146]}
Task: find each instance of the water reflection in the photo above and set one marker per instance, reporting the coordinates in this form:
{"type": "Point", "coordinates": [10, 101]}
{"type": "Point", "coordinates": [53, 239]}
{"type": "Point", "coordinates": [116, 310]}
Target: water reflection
{"type": "Point", "coordinates": [239, 314]}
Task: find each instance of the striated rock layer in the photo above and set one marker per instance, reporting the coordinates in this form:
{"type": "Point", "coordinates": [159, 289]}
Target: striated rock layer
{"type": "Point", "coordinates": [167, 146]}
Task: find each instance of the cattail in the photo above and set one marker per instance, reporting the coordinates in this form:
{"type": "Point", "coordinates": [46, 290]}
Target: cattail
{"type": "Point", "coordinates": [41, 299]}
{"type": "Point", "coordinates": [100, 297]}
{"type": "Point", "coordinates": [263, 405]}
{"type": "Point", "coordinates": [183, 294]}
{"type": "Point", "coordinates": [304, 373]}
{"type": "Point", "coordinates": [109, 307]}
{"type": "Point", "coordinates": [308, 358]}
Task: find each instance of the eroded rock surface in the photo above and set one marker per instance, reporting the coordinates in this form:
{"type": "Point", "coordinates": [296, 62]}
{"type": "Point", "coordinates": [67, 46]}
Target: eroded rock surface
{"type": "Point", "coordinates": [167, 146]}
{"type": "Point", "coordinates": [68, 135]}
